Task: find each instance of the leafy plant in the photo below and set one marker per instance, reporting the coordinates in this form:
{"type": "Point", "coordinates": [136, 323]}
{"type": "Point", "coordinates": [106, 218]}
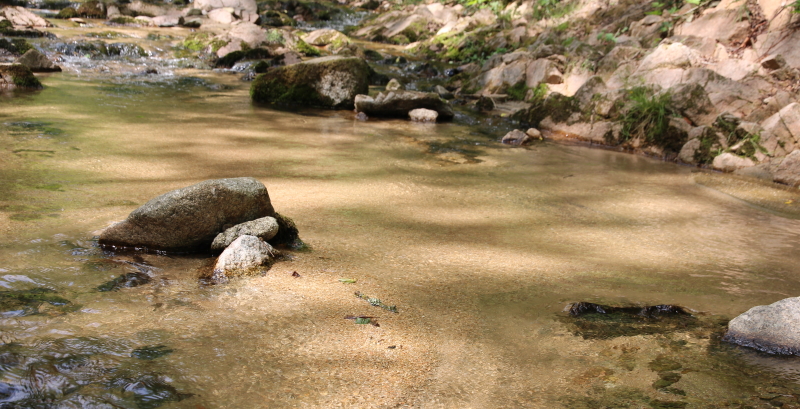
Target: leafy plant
{"type": "Point", "coordinates": [375, 302]}
{"type": "Point", "coordinates": [609, 38]}
{"type": "Point", "coordinates": [647, 117]}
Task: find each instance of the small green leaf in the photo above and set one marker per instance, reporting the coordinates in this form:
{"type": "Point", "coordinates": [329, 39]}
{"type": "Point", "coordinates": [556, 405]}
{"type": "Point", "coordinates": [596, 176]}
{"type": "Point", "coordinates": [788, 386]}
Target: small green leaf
{"type": "Point", "coordinates": [347, 280]}
{"type": "Point", "coordinates": [360, 320]}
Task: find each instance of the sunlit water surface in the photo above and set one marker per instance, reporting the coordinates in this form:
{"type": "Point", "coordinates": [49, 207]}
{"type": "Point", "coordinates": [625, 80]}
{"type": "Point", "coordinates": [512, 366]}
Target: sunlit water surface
{"type": "Point", "coordinates": [479, 246]}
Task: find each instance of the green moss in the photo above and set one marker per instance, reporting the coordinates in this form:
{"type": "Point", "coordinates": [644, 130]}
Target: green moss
{"type": "Point", "coordinates": [196, 41]}
{"type": "Point", "coordinates": [261, 67]}
{"type": "Point", "coordinates": [556, 106]}
{"type": "Point", "coordinates": [275, 36]}
{"type": "Point", "coordinates": [307, 50]}
{"type": "Point", "coordinates": [292, 85]}
{"type": "Point", "coordinates": [15, 46]}
{"type": "Point", "coordinates": [123, 20]}
{"type": "Point", "coordinates": [216, 44]}
{"type": "Point", "coordinates": [67, 13]}
{"type": "Point", "coordinates": [5, 25]}
{"type": "Point", "coordinates": [517, 91]}
{"type": "Point", "coordinates": [29, 301]}
{"type": "Point", "coordinates": [21, 76]}
{"type": "Point", "coordinates": [91, 9]}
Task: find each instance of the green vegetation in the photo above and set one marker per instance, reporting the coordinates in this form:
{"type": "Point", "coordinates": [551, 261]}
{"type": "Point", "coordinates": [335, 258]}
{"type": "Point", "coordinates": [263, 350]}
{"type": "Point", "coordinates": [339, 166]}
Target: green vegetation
{"type": "Point", "coordinates": [375, 302]}
{"type": "Point", "coordinates": [15, 46]}
{"type": "Point", "coordinates": [517, 91]}
{"type": "Point", "coordinates": [67, 13]}
{"type": "Point", "coordinates": [21, 76]}
{"type": "Point", "coordinates": [647, 117]}
{"type": "Point", "coordinates": [122, 20]}
{"type": "Point", "coordinates": [275, 36]}
{"type": "Point", "coordinates": [28, 302]}
{"type": "Point", "coordinates": [92, 9]}
{"type": "Point", "coordinates": [307, 50]}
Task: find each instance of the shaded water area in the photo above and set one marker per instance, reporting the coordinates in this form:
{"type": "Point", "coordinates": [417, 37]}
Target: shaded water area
{"type": "Point", "coordinates": [479, 246]}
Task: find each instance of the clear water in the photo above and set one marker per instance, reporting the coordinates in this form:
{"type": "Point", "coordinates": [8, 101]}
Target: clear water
{"type": "Point", "coordinates": [479, 246]}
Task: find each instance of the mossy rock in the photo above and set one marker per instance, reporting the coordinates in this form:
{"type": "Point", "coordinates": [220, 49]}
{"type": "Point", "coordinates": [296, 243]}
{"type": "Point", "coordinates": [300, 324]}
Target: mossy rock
{"type": "Point", "coordinates": [92, 9]}
{"type": "Point", "coordinates": [20, 75]}
{"type": "Point", "coordinates": [556, 106]}
{"type": "Point", "coordinates": [28, 301]}
{"type": "Point", "coordinates": [326, 82]}
{"type": "Point", "coordinates": [230, 59]}
{"type": "Point", "coordinates": [309, 51]}
{"type": "Point", "coordinates": [67, 13]}
{"type": "Point", "coordinates": [16, 46]}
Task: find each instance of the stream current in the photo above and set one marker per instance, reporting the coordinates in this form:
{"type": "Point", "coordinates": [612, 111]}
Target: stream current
{"type": "Point", "coordinates": [480, 246]}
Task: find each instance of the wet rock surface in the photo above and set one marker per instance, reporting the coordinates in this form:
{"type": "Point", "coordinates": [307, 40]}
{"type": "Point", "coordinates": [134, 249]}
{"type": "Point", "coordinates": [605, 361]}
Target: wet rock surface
{"type": "Point", "coordinates": [264, 228]}
{"type": "Point", "coordinates": [400, 102]}
{"type": "Point", "coordinates": [329, 82]}
{"type": "Point", "coordinates": [247, 255]}
{"type": "Point", "coordinates": [769, 328]}
{"type": "Point", "coordinates": [188, 219]}
{"type": "Point", "coordinates": [602, 321]}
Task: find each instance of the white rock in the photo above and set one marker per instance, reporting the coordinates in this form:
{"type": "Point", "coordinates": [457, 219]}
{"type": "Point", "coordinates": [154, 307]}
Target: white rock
{"type": "Point", "coordinates": [223, 15]}
{"type": "Point", "coordinates": [728, 162]}
{"type": "Point", "coordinates": [534, 133]}
{"type": "Point", "coordinates": [773, 328]}
{"type": "Point", "coordinates": [423, 115]}
{"type": "Point", "coordinates": [247, 255]}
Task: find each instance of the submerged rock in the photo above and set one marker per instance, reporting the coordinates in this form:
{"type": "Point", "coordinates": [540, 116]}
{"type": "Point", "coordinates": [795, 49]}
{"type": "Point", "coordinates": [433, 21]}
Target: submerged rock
{"type": "Point", "coordinates": [188, 219]}
{"type": "Point", "coordinates": [37, 62]}
{"type": "Point", "coordinates": [264, 228]}
{"type": "Point", "coordinates": [127, 280]}
{"type": "Point", "coordinates": [29, 302]}
{"type": "Point", "coordinates": [770, 328]}
{"type": "Point", "coordinates": [326, 82]}
{"type": "Point", "coordinates": [516, 138]}
{"type": "Point", "coordinates": [400, 103]}
{"type": "Point", "coordinates": [247, 255]}
{"type": "Point", "coordinates": [596, 321]}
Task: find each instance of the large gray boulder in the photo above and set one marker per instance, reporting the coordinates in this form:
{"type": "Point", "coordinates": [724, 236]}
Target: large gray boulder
{"type": "Point", "coordinates": [247, 255]}
{"type": "Point", "coordinates": [773, 328]}
{"type": "Point", "coordinates": [37, 62]}
{"type": "Point", "coordinates": [326, 82]}
{"type": "Point", "coordinates": [264, 228]}
{"type": "Point", "coordinates": [400, 103]}
{"type": "Point", "coordinates": [188, 219]}
{"type": "Point", "coordinates": [788, 171]}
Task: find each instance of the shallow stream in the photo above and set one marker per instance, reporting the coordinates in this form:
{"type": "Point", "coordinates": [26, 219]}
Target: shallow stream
{"type": "Point", "coordinates": [480, 246]}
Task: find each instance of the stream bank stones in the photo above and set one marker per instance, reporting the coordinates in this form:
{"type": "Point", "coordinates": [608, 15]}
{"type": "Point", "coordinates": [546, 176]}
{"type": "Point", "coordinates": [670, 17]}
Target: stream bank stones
{"type": "Point", "coordinates": [233, 216]}
{"type": "Point", "coordinates": [773, 328]}
{"type": "Point", "coordinates": [188, 219]}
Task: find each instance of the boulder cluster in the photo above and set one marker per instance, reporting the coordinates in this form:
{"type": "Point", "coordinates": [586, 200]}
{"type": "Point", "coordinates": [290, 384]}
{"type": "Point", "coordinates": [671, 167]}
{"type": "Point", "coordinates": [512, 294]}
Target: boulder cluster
{"type": "Point", "coordinates": [231, 216]}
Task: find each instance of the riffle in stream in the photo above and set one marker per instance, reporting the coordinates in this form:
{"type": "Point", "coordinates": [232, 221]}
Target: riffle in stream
{"type": "Point", "coordinates": [480, 246]}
